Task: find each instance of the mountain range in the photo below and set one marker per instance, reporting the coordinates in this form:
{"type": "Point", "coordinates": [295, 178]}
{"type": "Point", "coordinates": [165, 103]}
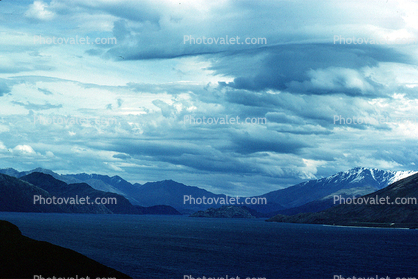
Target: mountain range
{"type": "Point", "coordinates": [317, 195]}
{"type": "Point", "coordinates": [393, 206]}
{"type": "Point", "coordinates": [24, 194]}
{"type": "Point", "coordinates": [308, 196]}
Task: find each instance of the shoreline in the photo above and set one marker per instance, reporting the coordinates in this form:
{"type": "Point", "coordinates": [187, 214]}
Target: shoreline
{"type": "Point", "coordinates": [369, 227]}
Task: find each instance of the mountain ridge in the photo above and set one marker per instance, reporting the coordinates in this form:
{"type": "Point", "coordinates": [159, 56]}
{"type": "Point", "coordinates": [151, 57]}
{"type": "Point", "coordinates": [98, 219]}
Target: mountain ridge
{"type": "Point", "coordinates": [296, 197]}
{"type": "Point", "coordinates": [313, 190]}
{"type": "Point", "coordinates": [18, 195]}
{"type": "Point", "coordinates": [376, 213]}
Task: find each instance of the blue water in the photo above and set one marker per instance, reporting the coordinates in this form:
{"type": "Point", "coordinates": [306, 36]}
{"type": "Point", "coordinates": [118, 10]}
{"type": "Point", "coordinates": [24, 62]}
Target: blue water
{"type": "Point", "coordinates": [165, 247]}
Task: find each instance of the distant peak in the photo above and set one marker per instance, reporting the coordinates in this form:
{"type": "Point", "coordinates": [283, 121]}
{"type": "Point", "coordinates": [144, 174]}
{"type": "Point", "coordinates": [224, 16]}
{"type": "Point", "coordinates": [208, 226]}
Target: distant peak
{"type": "Point", "coordinates": [359, 169]}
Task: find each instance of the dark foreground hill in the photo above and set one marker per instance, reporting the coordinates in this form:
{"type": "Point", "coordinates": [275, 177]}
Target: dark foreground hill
{"type": "Point", "coordinates": [23, 257]}
{"type": "Point", "coordinates": [373, 213]}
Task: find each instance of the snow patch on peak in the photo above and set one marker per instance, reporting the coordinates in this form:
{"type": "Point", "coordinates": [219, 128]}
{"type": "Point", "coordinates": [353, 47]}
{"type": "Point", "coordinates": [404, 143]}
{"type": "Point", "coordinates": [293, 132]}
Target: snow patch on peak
{"type": "Point", "coordinates": [398, 175]}
{"type": "Point", "coordinates": [362, 174]}
{"type": "Point", "coordinates": [357, 179]}
{"type": "Point", "coordinates": [372, 173]}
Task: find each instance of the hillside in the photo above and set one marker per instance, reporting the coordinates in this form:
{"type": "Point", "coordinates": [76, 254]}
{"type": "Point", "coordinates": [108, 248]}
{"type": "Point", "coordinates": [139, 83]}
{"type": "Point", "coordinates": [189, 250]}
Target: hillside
{"type": "Point", "coordinates": [309, 196]}
{"type": "Point", "coordinates": [61, 189]}
{"type": "Point", "coordinates": [22, 257]}
{"type": "Point", "coordinates": [17, 195]}
{"type": "Point", "coordinates": [313, 190]}
{"type": "Point", "coordinates": [374, 213]}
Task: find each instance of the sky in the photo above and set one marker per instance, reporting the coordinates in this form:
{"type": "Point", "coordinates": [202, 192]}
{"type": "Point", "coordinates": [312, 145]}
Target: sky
{"type": "Point", "coordinates": [155, 90]}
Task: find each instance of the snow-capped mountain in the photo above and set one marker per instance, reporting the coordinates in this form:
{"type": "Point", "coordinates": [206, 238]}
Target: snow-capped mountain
{"type": "Point", "coordinates": [369, 214]}
{"type": "Point", "coordinates": [309, 196]}
{"type": "Point", "coordinates": [355, 179]}
{"type": "Point", "coordinates": [359, 174]}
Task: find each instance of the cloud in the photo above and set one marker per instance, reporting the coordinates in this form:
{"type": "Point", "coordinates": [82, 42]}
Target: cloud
{"type": "Point", "coordinates": [45, 91]}
{"type": "Point", "coordinates": [122, 156]}
{"type": "Point", "coordinates": [307, 69]}
{"type": "Point", "coordinates": [299, 81]}
{"type": "Point", "coordinates": [40, 11]}
{"type": "Point", "coordinates": [2, 146]}
{"type": "Point", "coordinates": [32, 106]}
{"type": "Point", "coordinates": [166, 109]}
{"type": "Point", "coordinates": [132, 10]}
{"type": "Point", "coordinates": [334, 80]}
{"type": "Point", "coordinates": [4, 88]}
{"type": "Point", "coordinates": [268, 141]}
{"type": "Point", "coordinates": [120, 102]}
{"type": "Point", "coordinates": [24, 149]}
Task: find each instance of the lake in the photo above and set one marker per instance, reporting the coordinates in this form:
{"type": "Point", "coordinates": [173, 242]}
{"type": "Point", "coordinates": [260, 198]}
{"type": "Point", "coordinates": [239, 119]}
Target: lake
{"type": "Point", "coordinates": [148, 246]}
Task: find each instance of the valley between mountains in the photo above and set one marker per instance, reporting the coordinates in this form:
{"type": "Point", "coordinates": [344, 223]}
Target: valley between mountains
{"type": "Point", "coordinates": [307, 202]}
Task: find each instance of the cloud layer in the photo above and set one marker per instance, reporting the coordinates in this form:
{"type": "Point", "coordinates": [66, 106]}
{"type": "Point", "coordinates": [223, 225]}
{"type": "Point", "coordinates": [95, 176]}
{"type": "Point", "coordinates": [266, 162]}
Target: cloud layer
{"type": "Point", "coordinates": [127, 103]}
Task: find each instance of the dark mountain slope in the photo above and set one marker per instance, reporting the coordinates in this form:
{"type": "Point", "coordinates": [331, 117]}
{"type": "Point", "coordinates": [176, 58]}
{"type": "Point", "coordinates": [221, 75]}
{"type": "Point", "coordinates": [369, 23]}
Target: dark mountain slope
{"type": "Point", "coordinates": [172, 193]}
{"type": "Point", "coordinates": [381, 214]}
{"type": "Point", "coordinates": [23, 257]}
{"type": "Point", "coordinates": [327, 202]}
{"type": "Point", "coordinates": [61, 189]}
{"type": "Point", "coordinates": [116, 183]}
{"type": "Point", "coordinates": [312, 190]}
{"type": "Point", "coordinates": [17, 196]}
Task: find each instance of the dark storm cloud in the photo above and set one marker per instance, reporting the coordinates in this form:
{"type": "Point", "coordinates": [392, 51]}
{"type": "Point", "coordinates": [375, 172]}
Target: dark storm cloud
{"type": "Point", "coordinates": [248, 98]}
{"type": "Point", "coordinates": [32, 106]}
{"type": "Point", "coordinates": [150, 80]}
{"type": "Point", "coordinates": [245, 143]}
{"type": "Point", "coordinates": [307, 68]}
{"type": "Point", "coordinates": [158, 148]}
{"type": "Point", "coordinates": [122, 156]}
{"type": "Point", "coordinates": [185, 153]}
